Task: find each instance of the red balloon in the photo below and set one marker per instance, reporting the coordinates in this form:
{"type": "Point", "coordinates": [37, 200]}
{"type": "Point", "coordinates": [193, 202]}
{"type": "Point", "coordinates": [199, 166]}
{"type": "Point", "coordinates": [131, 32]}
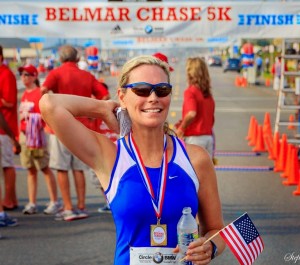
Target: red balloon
{"type": "Point", "coordinates": [91, 51]}
{"type": "Point", "coordinates": [248, 48]}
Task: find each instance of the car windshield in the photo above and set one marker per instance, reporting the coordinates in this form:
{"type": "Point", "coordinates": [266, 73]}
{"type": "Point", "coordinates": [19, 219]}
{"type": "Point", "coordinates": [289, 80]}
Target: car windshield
{"type": "Point", "coordinates": [233, 60]}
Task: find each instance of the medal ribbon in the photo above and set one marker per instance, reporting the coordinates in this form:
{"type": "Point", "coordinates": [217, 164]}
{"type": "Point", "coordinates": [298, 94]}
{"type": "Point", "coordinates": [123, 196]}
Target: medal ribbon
{"type": "Point", "coordinates": [145, 177]}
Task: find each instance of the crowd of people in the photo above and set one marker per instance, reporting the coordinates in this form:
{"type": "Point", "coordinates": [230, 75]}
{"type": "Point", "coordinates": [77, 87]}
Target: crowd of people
{"type": "Point", "coordinates": [143, 159]}
{"type": "Point", "coordinates": [38, 147]}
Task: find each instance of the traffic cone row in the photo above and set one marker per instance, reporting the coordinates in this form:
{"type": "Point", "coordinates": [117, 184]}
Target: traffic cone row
{"type": "Point", "coordinates": [260, 136]}
{"type": "Point", "coordinates": [285, 155]}
{"type": "Point", "coordinates": [255, 136]}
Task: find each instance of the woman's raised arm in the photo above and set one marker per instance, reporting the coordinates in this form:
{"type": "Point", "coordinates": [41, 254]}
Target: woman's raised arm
{"type": "Point", "coordinates": [59, 112]}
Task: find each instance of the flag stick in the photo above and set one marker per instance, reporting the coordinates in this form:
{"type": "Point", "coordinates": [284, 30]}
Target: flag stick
{"type": "Point", "coordinates": [206, 241]}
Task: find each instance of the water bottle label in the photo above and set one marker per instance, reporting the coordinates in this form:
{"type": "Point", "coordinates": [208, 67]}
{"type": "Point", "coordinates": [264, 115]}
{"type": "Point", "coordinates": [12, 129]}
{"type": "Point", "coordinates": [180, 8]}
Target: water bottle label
{"type": "Point", "coordinates": [184, 239]}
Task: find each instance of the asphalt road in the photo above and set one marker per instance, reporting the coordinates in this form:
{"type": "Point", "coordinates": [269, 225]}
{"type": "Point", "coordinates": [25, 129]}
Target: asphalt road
{"type": "Point", "coordinates": [39, 240]}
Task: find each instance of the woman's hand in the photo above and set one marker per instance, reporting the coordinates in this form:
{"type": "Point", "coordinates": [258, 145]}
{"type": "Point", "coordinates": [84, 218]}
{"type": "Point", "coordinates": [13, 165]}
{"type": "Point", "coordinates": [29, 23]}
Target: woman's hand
{"type": "Point", "coordinates": [110, 118]}
{"type": "Point", "coordinates": [179, 133]}
{"type": "Point", "coordinates": [198, 252]}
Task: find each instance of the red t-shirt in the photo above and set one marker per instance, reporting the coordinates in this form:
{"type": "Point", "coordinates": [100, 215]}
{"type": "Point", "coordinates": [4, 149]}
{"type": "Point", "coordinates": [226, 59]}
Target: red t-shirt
{"type": "Point", "coordinates": [8, 92]}
{"type": "Point", "coordinates": [69, 79]}
{"type": "Point", "coordinates": [204, 107]}
{"type": "Point", "coordinates": [29, 104]}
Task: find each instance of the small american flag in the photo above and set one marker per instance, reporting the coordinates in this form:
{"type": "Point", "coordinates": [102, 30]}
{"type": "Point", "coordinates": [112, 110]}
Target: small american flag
{"type": "Point", "coordinates": [243, 239]}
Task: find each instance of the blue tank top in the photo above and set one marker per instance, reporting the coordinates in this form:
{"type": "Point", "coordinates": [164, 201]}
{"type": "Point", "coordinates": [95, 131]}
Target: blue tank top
{"type": "Point", "coordinates": [131, 204]}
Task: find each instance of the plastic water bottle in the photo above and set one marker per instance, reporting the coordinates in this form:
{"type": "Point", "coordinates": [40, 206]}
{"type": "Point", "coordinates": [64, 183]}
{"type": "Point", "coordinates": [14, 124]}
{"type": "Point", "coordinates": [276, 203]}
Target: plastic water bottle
{"type": "Point", "coordinates": [187, 232]}
{"type": "Point", "coordinates": [124, 121]}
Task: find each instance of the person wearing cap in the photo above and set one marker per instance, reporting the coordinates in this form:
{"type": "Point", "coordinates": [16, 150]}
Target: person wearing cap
{"type": "Point", "coordinates": [34, 153]}
{"type": "Point", "coordinates": [8, 108]}
{"type": "Point", "coordinates": [163, 58]}
{"type": "Point", "coordinates": [69, 79]}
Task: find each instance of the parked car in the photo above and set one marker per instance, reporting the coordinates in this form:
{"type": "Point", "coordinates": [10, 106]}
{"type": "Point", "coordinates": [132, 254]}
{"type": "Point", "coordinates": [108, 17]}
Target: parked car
{"type": "Point", "coordinates": [232, 64]}
{"type": "Point", "coordinates": [214, 61]}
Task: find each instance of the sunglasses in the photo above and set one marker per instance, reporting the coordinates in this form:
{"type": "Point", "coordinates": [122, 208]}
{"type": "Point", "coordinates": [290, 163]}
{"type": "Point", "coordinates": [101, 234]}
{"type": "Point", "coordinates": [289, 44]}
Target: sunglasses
{"type": "Point", "coordinates": [25, 74]}
{"type": "Point", "coordinates": [144, 89]}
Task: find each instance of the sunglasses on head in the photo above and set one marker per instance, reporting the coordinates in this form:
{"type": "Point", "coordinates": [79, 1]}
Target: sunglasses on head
{"type": "Point", "coordinates": [144, 89]}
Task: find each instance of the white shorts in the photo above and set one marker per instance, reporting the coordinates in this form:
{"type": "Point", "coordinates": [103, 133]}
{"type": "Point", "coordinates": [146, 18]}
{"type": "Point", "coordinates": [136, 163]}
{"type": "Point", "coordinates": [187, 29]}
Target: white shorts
{"type": "Point", "coordinates": [61, 158]}
{"type": "Point", "coordinates": [7, 152]}
{"type": "Point", "coordinates": [206, 141]}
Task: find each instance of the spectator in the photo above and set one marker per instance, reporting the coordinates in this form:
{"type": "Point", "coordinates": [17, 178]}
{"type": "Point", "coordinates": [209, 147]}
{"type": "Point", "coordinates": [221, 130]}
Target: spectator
{"type": "Point", "coordinates": [34, 154]}
{"type": "Point", "coordinates": [69, 79]}
{"type": "Point", "coordinates": [150, 176]}
{"type": "Point", "coordinates": [276, 71]}
{"type": "Point", "coordinates": [8, 108]}
{"type": "Point", "coordinates": [198, 108]}
{"type": "Point", "coordinates": [5, 219]}
{"type": "Point", "coordinates": [267, 65]}
{"type": "Point", "coordinates": [258, 63]}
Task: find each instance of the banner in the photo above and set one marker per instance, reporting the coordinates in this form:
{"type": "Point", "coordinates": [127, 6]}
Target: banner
{"type": "Point", "coordinates": [145, 24]}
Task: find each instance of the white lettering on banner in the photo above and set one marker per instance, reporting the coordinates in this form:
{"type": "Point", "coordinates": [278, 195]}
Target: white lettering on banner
{"type": "Point", "coordinates": [18, 19]}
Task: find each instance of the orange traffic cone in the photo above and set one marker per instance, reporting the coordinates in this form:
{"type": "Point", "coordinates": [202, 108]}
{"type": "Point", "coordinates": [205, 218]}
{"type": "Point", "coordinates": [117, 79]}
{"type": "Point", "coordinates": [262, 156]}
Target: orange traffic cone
{"type": "Point", "coordinates": [269, 144]}
{"type": "Point", "coordinates": [293, 178]}
{"type": "Point", "coordinates": [288, 164]}
{"type": "Point", "coordinates": [259, 145]}
{"type": "Point", "coordinates": [244, 82]}
{"type": "Point", "coordinates": [267, 124]}
{"type": "Point", "coordinates": [291, 119]}
{"type": "Point", "coordinates": [237, 81]}
{"type": "Point", "coordinates": [297, 191]}
{"type": "Point", "coordinates": [276, 145]}
{"type": "Point", "coordinates": [267, 82]}
{"type": "Point", "coordinates": [254, 132]}
{"type": "Point", "coordinates": [250, 128]}
{"type": "Point", "coordinates": [281, 159]}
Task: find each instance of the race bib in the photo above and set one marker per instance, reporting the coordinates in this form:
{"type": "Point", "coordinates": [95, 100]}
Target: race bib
{"type": "Point", "coordinates": [152, 255]}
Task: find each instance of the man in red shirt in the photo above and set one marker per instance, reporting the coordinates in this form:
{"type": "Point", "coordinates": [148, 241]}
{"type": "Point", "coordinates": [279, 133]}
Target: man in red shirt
{"type": "Point", "coordinates": [69, 79]}
{"type": "Point", "coordinates": [8, 107]}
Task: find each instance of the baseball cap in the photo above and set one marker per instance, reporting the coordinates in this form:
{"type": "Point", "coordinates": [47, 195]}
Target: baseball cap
{"type": "Point", "coordinates": [30, 69]}
{"type": "Point", "coordinates": [163, 58]}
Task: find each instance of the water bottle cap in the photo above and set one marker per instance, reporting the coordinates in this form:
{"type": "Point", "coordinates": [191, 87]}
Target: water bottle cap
{"type": "Point", "coordinates": [186, 210]}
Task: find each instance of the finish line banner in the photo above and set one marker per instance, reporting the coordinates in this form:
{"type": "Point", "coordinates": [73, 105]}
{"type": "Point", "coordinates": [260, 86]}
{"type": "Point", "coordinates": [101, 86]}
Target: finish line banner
{"type": "Point", "coordinates": [139, 25]}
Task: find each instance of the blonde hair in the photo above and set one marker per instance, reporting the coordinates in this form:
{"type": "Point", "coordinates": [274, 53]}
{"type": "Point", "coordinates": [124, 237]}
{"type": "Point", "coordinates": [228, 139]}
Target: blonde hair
{"type": "Point", "coordinates": [198, 75]}
{"type": "Point", "coordinates": [136, 62]}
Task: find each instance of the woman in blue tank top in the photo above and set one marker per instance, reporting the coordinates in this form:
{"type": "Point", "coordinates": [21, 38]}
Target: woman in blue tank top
{"type": "Point", "coordinates": [149, 175]}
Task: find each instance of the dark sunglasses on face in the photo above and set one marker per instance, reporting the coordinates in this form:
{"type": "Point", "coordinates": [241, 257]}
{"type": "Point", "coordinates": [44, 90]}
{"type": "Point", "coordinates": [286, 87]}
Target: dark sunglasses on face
{"type": "Point", "coordinates": [26, 74]}
{"type": "Point", "coordinates": [144, 89]}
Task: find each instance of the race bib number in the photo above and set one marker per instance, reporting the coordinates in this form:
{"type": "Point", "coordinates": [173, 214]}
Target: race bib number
{"type": "Point", "coordinates": [150, 255]}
